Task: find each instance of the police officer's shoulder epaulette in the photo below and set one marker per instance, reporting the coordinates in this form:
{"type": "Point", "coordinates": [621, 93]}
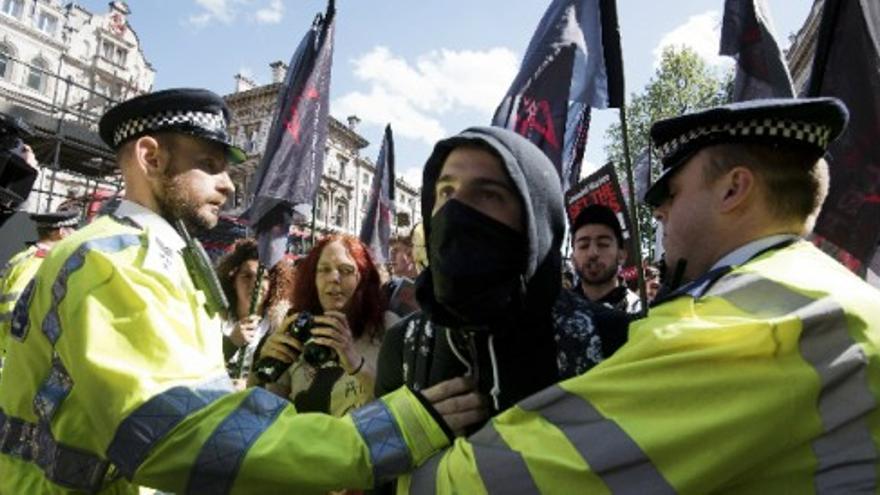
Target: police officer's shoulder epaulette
{"type": "Point", "coordinates": [16, 260]}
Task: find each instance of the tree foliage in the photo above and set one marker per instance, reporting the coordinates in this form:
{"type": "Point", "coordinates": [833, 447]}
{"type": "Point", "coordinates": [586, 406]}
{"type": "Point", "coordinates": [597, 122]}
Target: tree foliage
{"type": "Point", "coordinates": [683, 83]}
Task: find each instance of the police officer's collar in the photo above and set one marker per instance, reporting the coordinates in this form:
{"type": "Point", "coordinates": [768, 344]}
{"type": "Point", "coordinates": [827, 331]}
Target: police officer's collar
{"type": "Point", "coordinates": [749, 250]}
{"type": "Point", "coordinates": [698, 287]}
{"type": "Point", "coordinates": [148, 219]}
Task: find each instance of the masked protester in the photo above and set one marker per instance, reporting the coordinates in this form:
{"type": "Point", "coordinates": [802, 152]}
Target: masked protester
{"type": "Point", "coordinates": [493, 224]}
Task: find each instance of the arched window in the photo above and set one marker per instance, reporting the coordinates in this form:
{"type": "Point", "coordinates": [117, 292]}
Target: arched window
{"type": "Point", "coordinates": [6, 54]}
{"type": "Point", "coordinates": [38, 75]}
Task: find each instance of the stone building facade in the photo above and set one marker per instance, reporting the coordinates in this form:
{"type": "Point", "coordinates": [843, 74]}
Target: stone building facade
{"type": "Point", "coordinates": [344, 191]}
{"type": "Point", "coordinates": [61, 67]}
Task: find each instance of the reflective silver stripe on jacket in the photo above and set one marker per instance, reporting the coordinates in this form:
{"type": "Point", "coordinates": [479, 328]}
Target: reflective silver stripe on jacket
{"type": "Point", "coordinates": [221, 456]}
{"type": "Point", "coordinates": [52, 392]}
{"type": "Point", "coordinates": [846, 454]}
{"type": "Point", "coordinates": [8, 298]}
{"type": "Point", "coordinates": [502, 469]}
{"type": "Point", "coordinates": [66, 466]}
{"type": "Point", "coordinates": [151, 421]}
{"type": "Point", "coordinates": [389, 453]}
{"type": "Point", "coordinates": [112, 244]}
{"type": "Point", "coordinates": [610, 452]}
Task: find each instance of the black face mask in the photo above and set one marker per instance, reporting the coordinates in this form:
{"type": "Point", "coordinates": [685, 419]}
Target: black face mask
{"type": "Point", "coordinates": [476, 265]}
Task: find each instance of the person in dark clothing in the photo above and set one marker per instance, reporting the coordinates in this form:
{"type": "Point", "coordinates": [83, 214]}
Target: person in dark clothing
{"type": "Point", "coordinates": [493, 223]}
{"type": "Point", "coordinates": [598, 253]}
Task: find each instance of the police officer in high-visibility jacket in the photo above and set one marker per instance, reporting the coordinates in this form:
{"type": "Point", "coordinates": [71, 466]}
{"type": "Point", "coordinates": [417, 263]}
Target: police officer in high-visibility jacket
{"type": "Point", "coordinates": [21, 267]}
{"type": "Point", "coordinates": [115, 375]}
{"type": "Point", "coordinates": [759, 374]}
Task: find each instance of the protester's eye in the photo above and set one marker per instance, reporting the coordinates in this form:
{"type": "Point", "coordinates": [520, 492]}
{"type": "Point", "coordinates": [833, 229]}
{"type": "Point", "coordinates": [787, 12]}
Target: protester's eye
{"type": "Point", "coordinates": [346, 271]}
{"type": "Point", "coordinates": [444, 192]}
{"type": "Point", "coordinates": [491, 195]}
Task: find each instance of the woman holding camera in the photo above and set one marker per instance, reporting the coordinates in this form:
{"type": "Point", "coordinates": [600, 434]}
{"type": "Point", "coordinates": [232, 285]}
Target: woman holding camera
{"type": "Point", "coordinates": [337, 285]}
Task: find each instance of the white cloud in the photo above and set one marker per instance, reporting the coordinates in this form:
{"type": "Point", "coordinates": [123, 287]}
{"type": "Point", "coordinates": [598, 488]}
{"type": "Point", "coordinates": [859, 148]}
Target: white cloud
{"type": "Point", "coordinates": [226, 11]}
{"type": "Point", "coordinates": [701, 33]}
{"type": "Point", "coordinates": [220, 10]}
{"type": "Point", "coordinates": [380, 107]}
{"type": "Point", "coordinates": [270, 14]}
{"type": "Point", "coordinates": [413, 176]}
{"type": "Point", "coordinates": [413, 95]}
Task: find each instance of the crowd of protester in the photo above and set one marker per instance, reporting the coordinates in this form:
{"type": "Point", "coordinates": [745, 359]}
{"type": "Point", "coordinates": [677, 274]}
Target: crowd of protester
{"type": "Point", "coordinates": [476, 326]}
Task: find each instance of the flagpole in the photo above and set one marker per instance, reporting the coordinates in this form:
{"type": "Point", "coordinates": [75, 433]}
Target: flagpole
{"type": "Point", "coordinates": [633, 207]}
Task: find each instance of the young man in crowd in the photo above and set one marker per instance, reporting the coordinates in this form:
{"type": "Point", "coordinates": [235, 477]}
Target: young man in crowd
{"type": "Point", "coordinates": [493, 222]}
{"type": "Point", "coordinates": [598, 253]}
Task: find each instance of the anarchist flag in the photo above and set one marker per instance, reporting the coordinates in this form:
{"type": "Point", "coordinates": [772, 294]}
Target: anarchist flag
{"type": "Point", "coordinates": [573, 57]}
{"type": "Point", "coordinates": [376, 229]}
{"type": "Point", "coordinates": [747, 35]}
{"type": "Point", "coordinates": [847, 66]}
{"type": "Point", "coordinates": [290, 170]}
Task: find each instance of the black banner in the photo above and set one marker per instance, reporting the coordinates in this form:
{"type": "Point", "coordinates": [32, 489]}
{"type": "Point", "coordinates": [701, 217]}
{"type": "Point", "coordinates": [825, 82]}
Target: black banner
{"type": "Point", "coordinates": [847, 66]}
{"type": "Point", "coordinates": [290, 171]}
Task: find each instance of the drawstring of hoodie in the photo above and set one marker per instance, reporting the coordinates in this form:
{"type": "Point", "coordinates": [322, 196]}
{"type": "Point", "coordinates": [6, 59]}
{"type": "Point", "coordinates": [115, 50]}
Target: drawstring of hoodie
{"type": "Point", "coordinates": [496, 383]}
{"type": "Point", "coordinates": [458, 355]}
{"type": "Point", "coordinates": [495, 392]}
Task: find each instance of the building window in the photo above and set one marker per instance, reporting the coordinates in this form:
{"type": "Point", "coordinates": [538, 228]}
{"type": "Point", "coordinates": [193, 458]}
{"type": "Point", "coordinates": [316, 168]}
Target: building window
{"type": "Point", "coordinates": [6, 52]}
{"type": "Point", "coordinates": [251, 133]}
{"type": "Point", "coordinates": [341, 215]}
{"type": "Point", "coordinates": [121, 55]}
{"type": "Point", "coordinates": [114, 53]}
{"type": "Point", "coordinates": [38, 75]}
{"type": "Point", "coordinates": [47, 23]}
{"type": "Point", "coordinates": [322, 208]}
{"type": "Point", "coordinates": [13, 8]}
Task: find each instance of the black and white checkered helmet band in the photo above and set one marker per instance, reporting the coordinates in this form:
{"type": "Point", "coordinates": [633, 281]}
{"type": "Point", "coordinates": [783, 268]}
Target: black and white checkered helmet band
{"type": "Point", "coordinates": [211, 122]}
{"type": "Point", "coordinates": [805, 132]}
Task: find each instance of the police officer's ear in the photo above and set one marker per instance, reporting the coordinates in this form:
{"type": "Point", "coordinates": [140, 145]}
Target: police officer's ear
{"type": "Point", "coordinates": [734, 188]}
{"type": "Point", "coordinates": [149, 156]}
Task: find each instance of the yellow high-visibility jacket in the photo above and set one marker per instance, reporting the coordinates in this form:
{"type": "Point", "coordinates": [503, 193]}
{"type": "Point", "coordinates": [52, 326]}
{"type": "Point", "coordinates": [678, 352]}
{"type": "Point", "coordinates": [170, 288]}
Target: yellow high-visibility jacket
{"type": "Point", "coordinates": [14, 277]}
{"type": "Point", "coordinates": [115, 378]}
{"type": "Point", "coordinates": [767, 383]}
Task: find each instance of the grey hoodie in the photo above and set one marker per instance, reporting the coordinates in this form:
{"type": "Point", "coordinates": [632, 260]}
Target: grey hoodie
{"type": "Point", "coordinates": [526, 351]}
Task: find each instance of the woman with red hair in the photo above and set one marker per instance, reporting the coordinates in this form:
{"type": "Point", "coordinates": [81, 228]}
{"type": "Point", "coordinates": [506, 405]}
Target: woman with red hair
{"type": "Point", "coordinates": [339, 285]}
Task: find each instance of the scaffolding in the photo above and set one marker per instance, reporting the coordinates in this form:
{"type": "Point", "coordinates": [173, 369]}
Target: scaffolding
{"type": "Point", "coordinates": [76, 167]}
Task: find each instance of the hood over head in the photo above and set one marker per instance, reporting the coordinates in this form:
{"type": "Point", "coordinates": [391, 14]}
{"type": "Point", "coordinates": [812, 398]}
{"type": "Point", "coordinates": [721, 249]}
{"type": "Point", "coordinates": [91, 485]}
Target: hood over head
{"type": "Point", "coordinates": [537, 182]}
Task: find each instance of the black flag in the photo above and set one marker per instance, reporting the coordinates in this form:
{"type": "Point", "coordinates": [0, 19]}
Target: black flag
{"type": "Point", "coordinates": [747, 35]}
{"type": "Point", "coordinates": [574, 56]}
{"type": "Point", "coordinates": [291, 167]}
{"type": "Point", "coordinates": [376, 229]}
{"type": "Point", "coordinates": [847, 65]}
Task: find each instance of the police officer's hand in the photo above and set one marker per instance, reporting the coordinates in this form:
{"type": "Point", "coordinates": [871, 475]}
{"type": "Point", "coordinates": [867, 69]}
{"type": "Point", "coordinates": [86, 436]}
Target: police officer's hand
{"type": "Point", "coordinates": [458, 401]}
{"type": "Point", "coordinates": [280, 344]}
{"type": "Point", "coordinates": [332, 330]}
{"type": "Point", "coordinates": [244, 331]}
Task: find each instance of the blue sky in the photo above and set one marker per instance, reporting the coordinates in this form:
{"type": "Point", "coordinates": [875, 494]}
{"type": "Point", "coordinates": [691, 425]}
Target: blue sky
{"type": "Point", "coordinates": [431, 68]}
